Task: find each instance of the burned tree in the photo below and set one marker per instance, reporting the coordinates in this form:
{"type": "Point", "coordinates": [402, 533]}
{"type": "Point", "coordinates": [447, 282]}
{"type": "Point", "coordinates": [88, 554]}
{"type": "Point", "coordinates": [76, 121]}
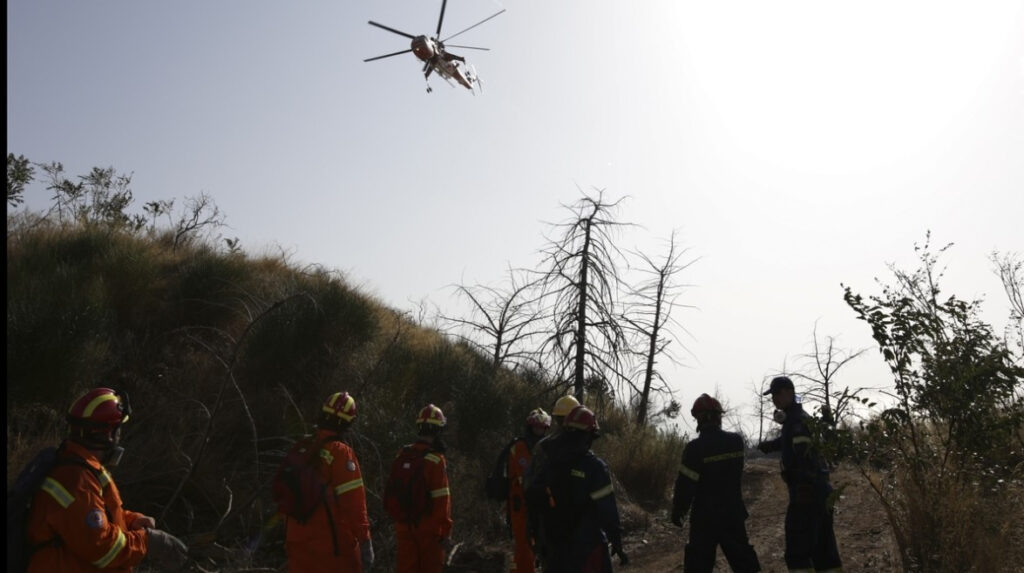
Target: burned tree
{"type": "Point", "coordinates": [649, 323]}
{"type": "Point", "coordinates": [580, 278]}
{"type": "Point", "coordinates": [502, 319]}
{"type": "Point", "coordinates": [825, 362]}
{"type": "Point", "coordinates": [760, 406]}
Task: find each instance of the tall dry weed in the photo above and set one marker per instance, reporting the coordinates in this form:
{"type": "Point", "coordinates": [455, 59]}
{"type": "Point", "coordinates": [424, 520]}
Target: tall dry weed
{"type": "Point", "coordinates": [952, 514]}
{"type": "Point", "coordinates": [645, 460]}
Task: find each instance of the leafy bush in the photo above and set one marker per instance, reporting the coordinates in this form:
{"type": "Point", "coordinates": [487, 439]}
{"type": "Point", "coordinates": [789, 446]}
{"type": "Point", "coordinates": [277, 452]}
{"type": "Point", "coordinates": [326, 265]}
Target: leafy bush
{"type": "Point", "coordinates": [946, 461]}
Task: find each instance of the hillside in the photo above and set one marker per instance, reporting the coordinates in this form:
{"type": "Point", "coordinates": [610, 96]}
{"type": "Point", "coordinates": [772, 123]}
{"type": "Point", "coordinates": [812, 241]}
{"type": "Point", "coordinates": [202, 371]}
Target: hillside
{"type": "Point", "coordinates": [227, 359]}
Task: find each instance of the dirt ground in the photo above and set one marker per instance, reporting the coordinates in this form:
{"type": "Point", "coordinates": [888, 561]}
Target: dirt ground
{"type": "Point", "coordinates": [864, 537]}
{"type": "Point", "coordinates": [654, 545]}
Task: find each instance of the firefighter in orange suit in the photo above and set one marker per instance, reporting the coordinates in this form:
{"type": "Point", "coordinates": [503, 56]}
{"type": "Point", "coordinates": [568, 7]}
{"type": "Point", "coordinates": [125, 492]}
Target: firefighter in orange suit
{"type": "Point", "coordinates": [537, 424]}
{"type": "Point", "coordinates": [337, 536]}
{"type": "Point", "coordinates": [422, 545]}
{"type": "Point", "coordinates": [77, 522]}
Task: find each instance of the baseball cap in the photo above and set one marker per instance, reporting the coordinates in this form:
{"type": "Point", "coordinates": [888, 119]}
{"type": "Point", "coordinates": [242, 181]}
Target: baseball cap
{"type": "Point", "coordinates": [778, 383]}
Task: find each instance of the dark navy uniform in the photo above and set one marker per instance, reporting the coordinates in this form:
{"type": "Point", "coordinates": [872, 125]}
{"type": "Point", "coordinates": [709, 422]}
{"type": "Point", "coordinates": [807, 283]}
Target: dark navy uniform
{"type": "Point", "coordinates": [584, 517]}
{"type": "Point", "coordinates": [810, 538]}
{"type": "Point", "coordinates": [709, 479]}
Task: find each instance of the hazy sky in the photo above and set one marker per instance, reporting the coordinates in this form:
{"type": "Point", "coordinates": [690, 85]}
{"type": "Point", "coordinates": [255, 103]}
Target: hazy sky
{"type": "Point", "coordinates": [793, 145]}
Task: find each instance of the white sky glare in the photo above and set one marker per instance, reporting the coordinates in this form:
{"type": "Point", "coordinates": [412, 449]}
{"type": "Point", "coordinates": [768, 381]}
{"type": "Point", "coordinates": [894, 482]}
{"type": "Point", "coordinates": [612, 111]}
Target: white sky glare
{"type": "Point", "coordinates": [794, 145]}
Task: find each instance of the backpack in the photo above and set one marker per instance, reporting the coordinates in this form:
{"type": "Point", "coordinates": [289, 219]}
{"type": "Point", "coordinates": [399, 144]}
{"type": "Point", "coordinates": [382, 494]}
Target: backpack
{"type": "Point", "coordinates": [19, 505]}
{"type": "Point", "coordinates": [496, 486]}
{"type": "Point", "coordinates": [549, 503]}
{"type": "Point", "coordinates": [298, 487]}
{"type": "Point", "coordinates": [407, 496]}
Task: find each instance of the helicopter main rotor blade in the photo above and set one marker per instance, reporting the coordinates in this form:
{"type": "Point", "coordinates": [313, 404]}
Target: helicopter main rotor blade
{"type": "Point", "coordinates": [388, 55]}
{"type": "Point", "coordinates": [471, 27]}
{"type": "Point", "coordinates": [440, 19]}
{"type": "Point", "coordinates": [399, 32]}
{"type": "Point", "coordinates": [469, 47]}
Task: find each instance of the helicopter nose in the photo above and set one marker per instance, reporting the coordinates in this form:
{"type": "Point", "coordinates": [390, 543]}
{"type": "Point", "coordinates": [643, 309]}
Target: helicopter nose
{"type": "Point", "coordinates": [422, 48]}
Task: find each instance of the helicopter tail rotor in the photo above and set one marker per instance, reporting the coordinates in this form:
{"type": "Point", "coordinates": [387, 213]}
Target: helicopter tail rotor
{"type": "Point", "coordinates": [473, 78]}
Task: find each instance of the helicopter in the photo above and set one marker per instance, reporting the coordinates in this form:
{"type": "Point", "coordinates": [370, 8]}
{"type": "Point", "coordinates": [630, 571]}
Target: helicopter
{"type": "Point", "coordinates": [435, 55]}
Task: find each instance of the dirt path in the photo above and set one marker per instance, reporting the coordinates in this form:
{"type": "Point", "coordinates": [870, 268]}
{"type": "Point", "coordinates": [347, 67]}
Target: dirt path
{"type": "Point", "coordinates": [656, 546]}
{"type": "Point", "coordinates": [865, 542]}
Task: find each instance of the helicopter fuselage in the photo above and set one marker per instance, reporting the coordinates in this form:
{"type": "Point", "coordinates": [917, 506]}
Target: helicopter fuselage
{"type": "Point", "coordinates": [444, 63]}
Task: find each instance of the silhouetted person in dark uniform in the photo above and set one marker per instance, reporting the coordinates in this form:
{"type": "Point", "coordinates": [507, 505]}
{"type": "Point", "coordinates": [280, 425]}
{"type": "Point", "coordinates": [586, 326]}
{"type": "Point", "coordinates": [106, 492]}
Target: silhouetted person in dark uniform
{"type": "Point", "coordinates": [709, 480]}
{"type": "Point", "coordinates": [575, 501]}
{"type": "Point", "coordinates": [810, 538]}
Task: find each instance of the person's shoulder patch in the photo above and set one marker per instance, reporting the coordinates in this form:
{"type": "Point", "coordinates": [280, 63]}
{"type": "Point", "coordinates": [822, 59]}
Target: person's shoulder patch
{"type": "Point", "coordinates": [523, 462]}
{"type": "Point", "coordinates": [95, 519]}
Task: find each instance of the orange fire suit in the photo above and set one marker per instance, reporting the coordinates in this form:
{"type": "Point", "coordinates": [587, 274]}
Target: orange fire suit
{"type": "Point", "coordinates": [329, 540]}
{"type": "Point", "coordinates": [518, 461]}
{"type": "Point", "coordinates": [78, 521]}
{"type": "Point", "coordinates": [419, 544]}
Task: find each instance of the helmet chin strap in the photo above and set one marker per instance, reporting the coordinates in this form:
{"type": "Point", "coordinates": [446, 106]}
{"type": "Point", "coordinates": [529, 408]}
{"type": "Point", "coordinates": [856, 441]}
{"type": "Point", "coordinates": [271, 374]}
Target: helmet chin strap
{"type": "Point", "coordinates": [112, 457]}
{"type": "Point", "coordinates": [107, 447]}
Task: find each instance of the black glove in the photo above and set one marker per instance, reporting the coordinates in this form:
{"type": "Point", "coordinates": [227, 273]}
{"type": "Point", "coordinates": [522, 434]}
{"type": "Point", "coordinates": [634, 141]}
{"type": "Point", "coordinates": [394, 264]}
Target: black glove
{"type": "Point", "coordinates": [617, 551]}
{"type": "Point", "coordinates": [677, 517]}
{"type": "Point", "coordinates": [366, 554]}
{"type": "Point", "coordinates": [165, 551]}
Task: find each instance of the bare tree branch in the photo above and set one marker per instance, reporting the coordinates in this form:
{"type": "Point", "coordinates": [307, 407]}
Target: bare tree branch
{"type": "Point", "coordinates": [580, 282]}
{"type": "Point", "coordinates": [649, 322]}
{"type": "Point", "coordinates": [506, 318]}
{"type": "Point", "coordinates": [825, 363]}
